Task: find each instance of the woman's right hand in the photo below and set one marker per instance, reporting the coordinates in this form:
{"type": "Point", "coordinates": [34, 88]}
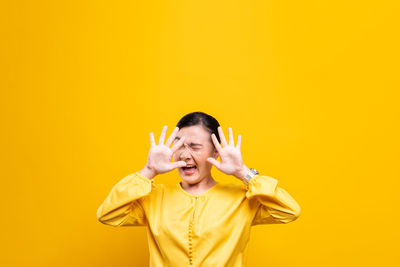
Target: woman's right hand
{"type": "Point", "coordinates": [159, 158]}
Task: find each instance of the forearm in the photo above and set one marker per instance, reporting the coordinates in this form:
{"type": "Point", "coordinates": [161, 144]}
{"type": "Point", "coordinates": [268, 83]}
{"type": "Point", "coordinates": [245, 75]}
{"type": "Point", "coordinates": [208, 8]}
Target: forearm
{"type": "Point", "coordinates": [276, 204]}
{"type": "Point", "coordinates": [123, 200]}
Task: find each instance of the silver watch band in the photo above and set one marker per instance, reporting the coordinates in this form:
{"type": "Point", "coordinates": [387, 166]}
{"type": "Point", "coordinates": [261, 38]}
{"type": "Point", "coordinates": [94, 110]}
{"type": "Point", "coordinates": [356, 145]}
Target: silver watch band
{"type": "Point", "coordinates": [253, 172]}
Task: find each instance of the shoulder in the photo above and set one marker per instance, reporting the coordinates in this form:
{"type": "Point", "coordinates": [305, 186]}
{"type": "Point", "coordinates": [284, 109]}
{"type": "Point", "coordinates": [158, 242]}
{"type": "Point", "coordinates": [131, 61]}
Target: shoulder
{"type": "Point", "coordinates": [232, 188]}
{"type": "Point", "coordinates": [233, 185]}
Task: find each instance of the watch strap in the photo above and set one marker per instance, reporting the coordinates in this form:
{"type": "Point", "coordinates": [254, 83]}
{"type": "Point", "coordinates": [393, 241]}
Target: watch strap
{"type": "Point", "coordinates": [253, 172]}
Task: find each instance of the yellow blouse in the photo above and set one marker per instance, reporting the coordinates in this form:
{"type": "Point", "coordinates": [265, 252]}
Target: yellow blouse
{"type": "Point", "coordinates": [208, 230]}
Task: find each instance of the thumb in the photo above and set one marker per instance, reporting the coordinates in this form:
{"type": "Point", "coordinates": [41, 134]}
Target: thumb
{"type": "Point", "coordinates": [178, 164]}
{"type": "Point", "coordinates": [214, 162]}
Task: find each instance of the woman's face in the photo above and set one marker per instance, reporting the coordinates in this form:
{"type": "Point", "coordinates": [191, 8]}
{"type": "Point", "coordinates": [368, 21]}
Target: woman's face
{"type": "Point", "coordinates": [195, 150]}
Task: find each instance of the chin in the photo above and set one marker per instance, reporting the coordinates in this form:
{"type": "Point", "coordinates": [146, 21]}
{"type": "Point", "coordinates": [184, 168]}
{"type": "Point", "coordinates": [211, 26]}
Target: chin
{"type": "Point", "coordinates": [190, 179]}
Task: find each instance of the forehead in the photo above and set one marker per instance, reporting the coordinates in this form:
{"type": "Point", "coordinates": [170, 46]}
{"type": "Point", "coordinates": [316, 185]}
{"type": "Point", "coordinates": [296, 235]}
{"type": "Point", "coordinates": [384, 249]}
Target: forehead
{"type": "Point", "coordinates": [193, 133]}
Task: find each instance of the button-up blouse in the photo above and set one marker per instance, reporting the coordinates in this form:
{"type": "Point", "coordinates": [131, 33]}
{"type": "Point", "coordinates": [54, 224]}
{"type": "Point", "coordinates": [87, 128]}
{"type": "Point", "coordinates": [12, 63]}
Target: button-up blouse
{"type": "Point", "coordinates": [208, 230]}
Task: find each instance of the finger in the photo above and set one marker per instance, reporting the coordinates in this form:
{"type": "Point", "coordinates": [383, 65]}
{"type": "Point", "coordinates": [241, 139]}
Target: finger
{"type": "Point", "coordinates": [177, 144]}
{"type": "Point", "coordinates": [231, 141]}
{"type": "Point", "coordinates": [216, 143]}
{"type": "Point", "coordinates": [214, 162]}
{"type": "Point", "coordinates": [222, 136]}
{"type": "Point", "coordinates": [171, 137]}
{"type": "Point", "coordinates": [162, 136]}
{"type": "Point", "coordinates": [178, 164]}
{"type": "Point", "coordinates": [239, 142]}
{"type": "Point", "coordinates": [152, 141]}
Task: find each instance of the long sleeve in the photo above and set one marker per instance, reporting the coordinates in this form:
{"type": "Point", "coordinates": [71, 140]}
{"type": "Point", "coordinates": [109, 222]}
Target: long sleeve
{"type": "Point", "coordinates": [123, 205]}
{"type": "Point", "coordinates": [276, 205]}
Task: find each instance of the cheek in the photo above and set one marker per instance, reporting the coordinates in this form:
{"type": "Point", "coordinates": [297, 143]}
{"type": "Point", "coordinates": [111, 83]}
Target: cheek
{"type": "Point", "coordinates": [201, 158]}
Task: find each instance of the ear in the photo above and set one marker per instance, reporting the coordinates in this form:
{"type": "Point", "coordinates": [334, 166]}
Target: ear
{"type": "Point", "coordinates": [215, 154]}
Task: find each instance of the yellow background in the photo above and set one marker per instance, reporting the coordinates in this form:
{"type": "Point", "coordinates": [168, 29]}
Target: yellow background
{"type": "Point", "coordinates": [312, 87]}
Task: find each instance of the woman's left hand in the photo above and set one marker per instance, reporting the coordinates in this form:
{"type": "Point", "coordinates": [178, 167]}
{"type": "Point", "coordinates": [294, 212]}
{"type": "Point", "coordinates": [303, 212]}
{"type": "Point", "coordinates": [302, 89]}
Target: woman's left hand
{"type": "Point", "coordinates": [231, 157]}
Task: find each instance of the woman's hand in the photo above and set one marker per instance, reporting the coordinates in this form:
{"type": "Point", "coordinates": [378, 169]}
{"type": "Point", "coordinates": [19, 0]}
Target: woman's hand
{"type": "Point", "coordinates": [231, 157]}
{"type": "Point", "coordinates": [159, 158]}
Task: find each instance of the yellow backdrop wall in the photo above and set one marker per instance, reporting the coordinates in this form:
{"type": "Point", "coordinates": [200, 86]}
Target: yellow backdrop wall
{"type": "Point", "coordinates": [312, 87]}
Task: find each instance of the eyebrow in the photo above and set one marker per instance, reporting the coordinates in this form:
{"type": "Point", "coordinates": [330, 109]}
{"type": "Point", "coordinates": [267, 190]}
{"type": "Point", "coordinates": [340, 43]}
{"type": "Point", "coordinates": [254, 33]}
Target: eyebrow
{"type": "Point", "coordinates": [194, 144]}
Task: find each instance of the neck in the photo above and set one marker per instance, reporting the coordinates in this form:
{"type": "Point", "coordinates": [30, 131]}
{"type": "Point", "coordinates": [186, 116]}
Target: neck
{"type": "Point", "coordinates": [200, 187]}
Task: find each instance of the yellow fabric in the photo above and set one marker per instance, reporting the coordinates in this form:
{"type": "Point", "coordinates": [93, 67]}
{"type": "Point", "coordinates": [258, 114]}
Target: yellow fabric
{"type": "Point", "coordinates": [208, 230]}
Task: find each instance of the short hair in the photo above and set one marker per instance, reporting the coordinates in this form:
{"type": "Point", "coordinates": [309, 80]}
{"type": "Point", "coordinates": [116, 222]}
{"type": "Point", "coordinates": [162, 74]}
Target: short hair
{"type": "Point", "coordinates": [208, 122]}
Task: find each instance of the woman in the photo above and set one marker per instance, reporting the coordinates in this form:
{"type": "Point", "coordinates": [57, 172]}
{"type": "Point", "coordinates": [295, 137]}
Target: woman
{"type": "Point", "coordinates": [198, 221]}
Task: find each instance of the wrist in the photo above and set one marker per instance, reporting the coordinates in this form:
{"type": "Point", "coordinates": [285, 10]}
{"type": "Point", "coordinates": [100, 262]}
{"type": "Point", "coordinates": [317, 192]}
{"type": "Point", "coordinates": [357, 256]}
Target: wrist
{"type": "Point", "coordinates": [242, 173]}
{"type": "Point", "coordinates": [148, 172]}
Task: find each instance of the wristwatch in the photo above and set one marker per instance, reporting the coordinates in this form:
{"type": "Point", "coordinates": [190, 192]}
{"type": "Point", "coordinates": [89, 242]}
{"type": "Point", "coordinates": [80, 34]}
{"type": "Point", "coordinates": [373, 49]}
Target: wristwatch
{"type": "Point", "coordinates": [250, 175]}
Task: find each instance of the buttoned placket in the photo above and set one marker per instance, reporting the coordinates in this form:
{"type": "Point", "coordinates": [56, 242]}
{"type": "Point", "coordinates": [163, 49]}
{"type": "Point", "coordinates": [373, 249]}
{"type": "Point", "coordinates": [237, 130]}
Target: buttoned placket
{"type": "Point", "coordinates": [191, 227]}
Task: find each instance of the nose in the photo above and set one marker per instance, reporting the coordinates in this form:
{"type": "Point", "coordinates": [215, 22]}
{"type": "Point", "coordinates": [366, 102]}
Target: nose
{"type": "Point", "coordinates": [184, 152]}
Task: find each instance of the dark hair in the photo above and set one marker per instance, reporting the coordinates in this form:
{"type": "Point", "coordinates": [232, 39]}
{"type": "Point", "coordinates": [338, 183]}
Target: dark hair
{"type": "Point", "coordinates": [208, 122]}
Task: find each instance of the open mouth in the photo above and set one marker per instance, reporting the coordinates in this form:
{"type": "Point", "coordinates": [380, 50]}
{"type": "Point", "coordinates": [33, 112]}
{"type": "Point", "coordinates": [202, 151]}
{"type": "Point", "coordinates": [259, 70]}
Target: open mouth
{"type": "Point", "coordinates": [190, 169]}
